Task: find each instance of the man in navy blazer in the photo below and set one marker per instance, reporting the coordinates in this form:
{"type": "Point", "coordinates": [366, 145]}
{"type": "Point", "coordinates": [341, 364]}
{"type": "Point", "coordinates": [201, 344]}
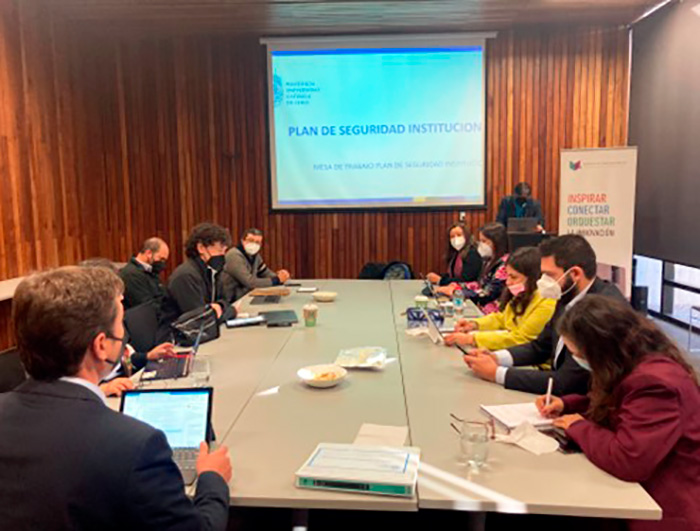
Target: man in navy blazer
{"type": "Point", "coordinates": [67, 461]}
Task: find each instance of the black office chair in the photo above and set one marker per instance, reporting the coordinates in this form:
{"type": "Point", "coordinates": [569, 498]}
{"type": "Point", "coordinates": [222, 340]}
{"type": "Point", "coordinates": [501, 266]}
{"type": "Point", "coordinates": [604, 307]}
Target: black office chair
{"type": "Point", "coordinates": [142, 324]}
{"type": "Point", "coordinates": [11, 370]}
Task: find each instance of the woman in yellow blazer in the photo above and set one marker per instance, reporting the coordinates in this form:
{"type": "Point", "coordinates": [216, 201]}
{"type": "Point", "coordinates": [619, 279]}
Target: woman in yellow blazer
{"type": "Point", "coordinates": [523, 311]}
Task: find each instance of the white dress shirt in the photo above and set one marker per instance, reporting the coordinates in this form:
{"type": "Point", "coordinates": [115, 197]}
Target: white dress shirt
{"type": "Point", "coordinates": [505, 359]}
{"type": "Point", "coordinates": [87, 385]}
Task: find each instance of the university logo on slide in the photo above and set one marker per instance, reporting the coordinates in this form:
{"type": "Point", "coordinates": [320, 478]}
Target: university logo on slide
{"type": "Point", "coordinates": [278, 89]}
{"type": "Point", "coordinates": [575, 165]}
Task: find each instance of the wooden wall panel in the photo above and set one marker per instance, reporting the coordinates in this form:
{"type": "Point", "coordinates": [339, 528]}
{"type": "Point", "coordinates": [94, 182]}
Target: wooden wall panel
{"type": "Point", "coordinates": [106, 140]}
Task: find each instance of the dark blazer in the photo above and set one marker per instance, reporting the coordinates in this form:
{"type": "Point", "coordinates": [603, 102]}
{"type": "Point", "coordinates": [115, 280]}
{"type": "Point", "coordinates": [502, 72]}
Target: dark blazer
{"type": "Point", "coordinates": [140, 285]}
{"type": "Point", "coordinates": [506, 210]}
{"type": "Point", "coordinates": [654, 439]}
{"type": "Point", "coordinates": [194, 285]}
{"type": "Point", "coordinates": [67, 461]}
{"type": "Point", "coordinates": [471, 267]}
{"type": "Point", "coordinates": [569, 376]}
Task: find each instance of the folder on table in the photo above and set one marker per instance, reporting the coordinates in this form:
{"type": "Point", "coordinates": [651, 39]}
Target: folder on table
{"type": "Point", "coordinates": [386, 470]}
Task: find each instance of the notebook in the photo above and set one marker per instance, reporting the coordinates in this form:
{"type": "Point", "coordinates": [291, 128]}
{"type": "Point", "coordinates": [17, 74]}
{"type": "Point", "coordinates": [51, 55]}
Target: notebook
{"type": "Point", "coordinates": [512, 415]}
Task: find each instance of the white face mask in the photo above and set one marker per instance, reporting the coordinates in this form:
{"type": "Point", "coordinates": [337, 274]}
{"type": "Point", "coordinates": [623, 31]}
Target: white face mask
{"type": "Point", "coordinates": [550, 288]}
{"type": "Point", "coordinates": [251, 248]}
{"type": "Point", "coordinates": [458, 243]}
{"type": "Point", "coordinates": [484, 249]}
{"type": "Point", "coordinates": [582, 362]}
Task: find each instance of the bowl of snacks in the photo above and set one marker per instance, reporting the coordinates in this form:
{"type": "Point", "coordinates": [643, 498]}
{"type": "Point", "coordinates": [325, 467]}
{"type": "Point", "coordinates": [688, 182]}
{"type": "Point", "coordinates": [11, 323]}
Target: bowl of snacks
{"type": "Point", "coordinates": [324, 296]}
{"type": "Point", "coordinates": [322, 375]}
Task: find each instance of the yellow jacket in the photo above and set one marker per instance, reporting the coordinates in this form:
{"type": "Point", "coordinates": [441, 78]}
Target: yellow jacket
{"type": "Point", "coordinates": [503, 329]}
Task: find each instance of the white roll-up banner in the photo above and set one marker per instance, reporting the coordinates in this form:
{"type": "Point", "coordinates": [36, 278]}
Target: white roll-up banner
{"type": "Point", "coordinates": [597, 201]}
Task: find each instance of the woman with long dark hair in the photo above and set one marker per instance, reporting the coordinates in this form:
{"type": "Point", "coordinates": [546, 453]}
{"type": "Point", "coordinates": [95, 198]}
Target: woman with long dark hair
{"type": "Point", "coordinates": [487, 289]}
{"type": "Point", "coordinates": [523, 312]}
{"type": "Point", "coordinates": [463, 261]}
{"type": "Point", "coordinates": [641, 419]}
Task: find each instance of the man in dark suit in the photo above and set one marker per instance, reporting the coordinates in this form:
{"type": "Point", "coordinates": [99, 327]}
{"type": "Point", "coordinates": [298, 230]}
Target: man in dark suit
{"type": "Point", "coordinates": [520, 205]}
{"type": "Point", "coordinates": [67, 461]}
{"type": "Point", "coordinates": [568, 274]}
{"type": "Point", "coordinates": [141, 274]}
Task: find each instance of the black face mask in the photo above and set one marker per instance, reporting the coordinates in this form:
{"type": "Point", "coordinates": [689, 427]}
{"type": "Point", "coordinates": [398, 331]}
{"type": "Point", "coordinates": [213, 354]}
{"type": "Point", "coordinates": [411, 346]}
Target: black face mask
{"type": "Point", "coordinates": [158, 267]}
{"type": "Point", "coordinates": [217, 263]}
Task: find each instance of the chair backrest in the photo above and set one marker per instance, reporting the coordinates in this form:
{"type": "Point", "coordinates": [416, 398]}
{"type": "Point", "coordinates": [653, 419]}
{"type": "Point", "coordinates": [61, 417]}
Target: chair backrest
{"type": "Point", "coordinates": [142, 324]}
{"type": "Point", "coordinates": [397, 271]}
{"type": "Point", "coordinates": [372, 271]}
{"type": "Point", "coordinates": [11, 370]}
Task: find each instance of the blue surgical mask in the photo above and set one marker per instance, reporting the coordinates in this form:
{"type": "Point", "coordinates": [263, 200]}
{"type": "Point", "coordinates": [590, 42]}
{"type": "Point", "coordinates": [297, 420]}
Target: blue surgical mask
{"type": "Point", "coordinates": [583, 362]}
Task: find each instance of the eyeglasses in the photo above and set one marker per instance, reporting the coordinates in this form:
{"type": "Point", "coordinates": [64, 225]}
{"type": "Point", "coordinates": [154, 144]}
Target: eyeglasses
{"type": "Point", "coordinates": [489, 425]}
{"type": "Point", "coordinates": [123, 354]}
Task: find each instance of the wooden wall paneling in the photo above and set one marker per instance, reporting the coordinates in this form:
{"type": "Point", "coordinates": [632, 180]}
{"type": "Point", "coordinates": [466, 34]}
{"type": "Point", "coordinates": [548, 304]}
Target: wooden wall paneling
{"type": "Point", "coordinates": [106, 139]}
{"type": "Point", "coordinates": [12, 156]}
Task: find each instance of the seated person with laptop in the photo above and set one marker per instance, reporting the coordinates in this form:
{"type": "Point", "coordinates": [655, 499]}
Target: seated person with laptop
{"type": "Point", "coordinates": [521, 205]}
{"type": "Point", "coordinates": [245, 269]}
{"type": "Point", "coordinates": [67, 461]}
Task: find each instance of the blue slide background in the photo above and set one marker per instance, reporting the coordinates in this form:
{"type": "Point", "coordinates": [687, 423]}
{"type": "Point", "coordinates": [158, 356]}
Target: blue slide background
{"type": "Point", "coordinates": [334, 88]}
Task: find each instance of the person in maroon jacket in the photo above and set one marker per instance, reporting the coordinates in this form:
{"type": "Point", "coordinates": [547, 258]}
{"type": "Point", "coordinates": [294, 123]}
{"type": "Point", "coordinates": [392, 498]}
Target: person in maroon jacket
{"type": "Point", "coordinates": [641, 419]}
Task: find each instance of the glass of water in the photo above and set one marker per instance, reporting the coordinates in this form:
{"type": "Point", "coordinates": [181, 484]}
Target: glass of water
{"type": "Point", "coordinates": [474, 443]}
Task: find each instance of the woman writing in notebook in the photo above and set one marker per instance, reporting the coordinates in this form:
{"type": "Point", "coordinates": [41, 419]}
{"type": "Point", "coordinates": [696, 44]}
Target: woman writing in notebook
{"type": "Point", "coordinates": [641, 420]}
{"type": "Point", "coordinates": [523, 311]}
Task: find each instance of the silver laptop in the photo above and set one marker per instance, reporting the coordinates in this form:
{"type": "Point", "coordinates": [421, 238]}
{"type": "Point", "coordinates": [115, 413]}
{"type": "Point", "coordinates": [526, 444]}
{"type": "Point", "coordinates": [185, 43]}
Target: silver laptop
{"type": "Point", "coordinates": [183, 415]}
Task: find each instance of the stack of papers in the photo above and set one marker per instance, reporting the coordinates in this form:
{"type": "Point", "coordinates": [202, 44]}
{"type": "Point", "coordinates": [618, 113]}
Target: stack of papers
{"type": "Point", "coordinates": [513, 415]}
{"type": "Point", "coordinates": [377, 435]}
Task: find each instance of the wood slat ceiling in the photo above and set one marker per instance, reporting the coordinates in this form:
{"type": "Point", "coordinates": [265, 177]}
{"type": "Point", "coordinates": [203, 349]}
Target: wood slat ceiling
{"type": "Point", "coordinates": [348, 16]}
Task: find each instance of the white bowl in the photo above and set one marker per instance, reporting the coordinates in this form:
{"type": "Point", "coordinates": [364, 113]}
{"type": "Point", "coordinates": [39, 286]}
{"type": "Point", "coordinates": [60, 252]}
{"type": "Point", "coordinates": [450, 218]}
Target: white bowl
{"type": "Point", "coordinates": [322, 376]}
{"type": "Point", "coordinates": [325, 296]}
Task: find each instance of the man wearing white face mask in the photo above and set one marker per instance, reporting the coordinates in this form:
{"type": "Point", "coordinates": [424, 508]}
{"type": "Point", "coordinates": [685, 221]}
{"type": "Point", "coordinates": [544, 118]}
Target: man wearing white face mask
{"type": "Point", "coordinates": [568, 274]}
{"type": "Point", "coordinates": [245, 269]}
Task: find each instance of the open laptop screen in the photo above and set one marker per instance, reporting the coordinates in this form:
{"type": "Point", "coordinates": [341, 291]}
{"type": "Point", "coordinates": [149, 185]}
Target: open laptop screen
{"type": "Point", "coordinates": [182, 414]}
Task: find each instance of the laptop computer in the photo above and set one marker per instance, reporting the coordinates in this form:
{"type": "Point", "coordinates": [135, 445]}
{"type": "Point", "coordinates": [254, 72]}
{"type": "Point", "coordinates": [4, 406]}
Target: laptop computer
{"type": "Point", "coordinates": [280, 318]}
{"type": "Point", "coordinates": [429, 289]}
{"type": "Point", "coordinates": [266, 299]}
{"type": "Point", "coordinates": [183, 415]}
{"type": "Point", "coordinates": [522, 224]}
{"type": "Point", "coordinates": [437, 336]}
{"type": "Point", "coordinates": [177, 366]}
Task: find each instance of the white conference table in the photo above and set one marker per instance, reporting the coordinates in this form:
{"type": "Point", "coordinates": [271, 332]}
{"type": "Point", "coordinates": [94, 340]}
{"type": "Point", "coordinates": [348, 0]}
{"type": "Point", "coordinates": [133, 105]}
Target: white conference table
{"type": "Point", "coordinates": [283, 420]}
{"type": "Point", "coordinates": [271, 422]}
{"type": "Point", "coordinates": [437, 383]}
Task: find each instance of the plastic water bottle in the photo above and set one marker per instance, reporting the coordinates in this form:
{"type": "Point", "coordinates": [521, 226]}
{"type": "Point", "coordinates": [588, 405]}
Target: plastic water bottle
{"type": "Point", "coordinates": [458, 301]}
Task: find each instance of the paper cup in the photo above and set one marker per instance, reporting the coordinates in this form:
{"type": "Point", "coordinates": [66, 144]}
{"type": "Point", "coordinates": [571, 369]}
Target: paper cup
{"type": "Point", "coordinates": [310, 314]}
{"type": "Point", "coordinates": [421, 301]}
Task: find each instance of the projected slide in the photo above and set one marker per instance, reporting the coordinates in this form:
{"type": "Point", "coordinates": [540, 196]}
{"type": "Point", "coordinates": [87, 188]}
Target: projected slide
{"type": "Point", "coordinates": [377, 127]}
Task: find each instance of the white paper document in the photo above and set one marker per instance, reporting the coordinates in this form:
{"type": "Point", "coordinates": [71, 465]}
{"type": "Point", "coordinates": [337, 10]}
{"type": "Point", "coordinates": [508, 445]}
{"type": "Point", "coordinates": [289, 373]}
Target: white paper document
{"type": "Point", "coordinates": [373, 461]}
{"type": "Point", "coordinates": [512, 415]}
{"type": "Point", "coordinates": [377, 435]}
